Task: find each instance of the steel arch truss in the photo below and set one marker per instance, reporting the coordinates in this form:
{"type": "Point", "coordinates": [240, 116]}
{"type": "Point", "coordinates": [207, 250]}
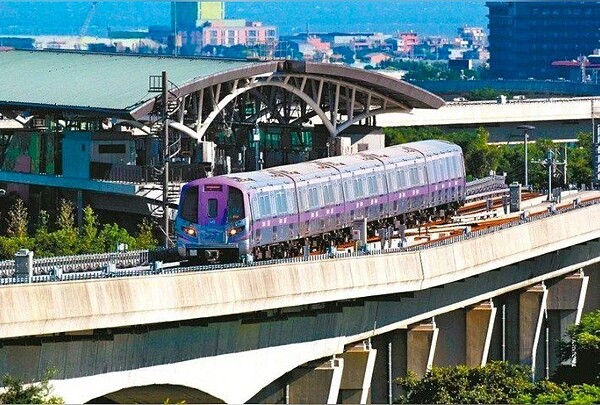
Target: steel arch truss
{"type": "Point", "coordinates": [286, 99]}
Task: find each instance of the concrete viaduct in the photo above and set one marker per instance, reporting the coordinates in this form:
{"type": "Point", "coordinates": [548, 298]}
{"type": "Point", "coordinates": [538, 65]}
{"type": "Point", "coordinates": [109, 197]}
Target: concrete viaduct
{"type": "Point", "coordinates": [337, 330]}
{"type": "Point", "coordinates": [556, 118]}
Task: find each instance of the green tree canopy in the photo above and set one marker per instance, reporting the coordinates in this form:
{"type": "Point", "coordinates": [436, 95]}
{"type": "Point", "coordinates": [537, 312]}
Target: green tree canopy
{"type": "Point", "coordinates": [583, 342]}
{"type": "Point", "coordinates": [16, 391]}
{"type": "Point", "coordinates": [497, 382]}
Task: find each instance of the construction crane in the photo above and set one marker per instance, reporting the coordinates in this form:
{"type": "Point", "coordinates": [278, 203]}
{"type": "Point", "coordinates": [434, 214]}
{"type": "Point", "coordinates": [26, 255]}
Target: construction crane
{"type": "Point", "coordinates": [86, 24]}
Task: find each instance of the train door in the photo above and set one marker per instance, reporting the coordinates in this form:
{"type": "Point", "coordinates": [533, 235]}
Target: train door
{"type": "Point", "coordinates": [213, 203]}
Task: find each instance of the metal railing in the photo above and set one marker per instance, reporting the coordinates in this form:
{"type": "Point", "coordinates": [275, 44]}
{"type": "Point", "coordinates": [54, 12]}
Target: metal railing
{"type": "Point", "coordinates": [486, 184]}
{"type": "Point", "coordinates": [113, 264]}
{"type": "Point", "coordinates": [80, 263]}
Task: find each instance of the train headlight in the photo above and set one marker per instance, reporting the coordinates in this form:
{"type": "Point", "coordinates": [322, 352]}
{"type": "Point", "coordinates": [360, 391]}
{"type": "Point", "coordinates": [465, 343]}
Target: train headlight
{"type": "Point", "coordinates": [189, 230]}
{"type": "Point", "coordinates": [235, 231]}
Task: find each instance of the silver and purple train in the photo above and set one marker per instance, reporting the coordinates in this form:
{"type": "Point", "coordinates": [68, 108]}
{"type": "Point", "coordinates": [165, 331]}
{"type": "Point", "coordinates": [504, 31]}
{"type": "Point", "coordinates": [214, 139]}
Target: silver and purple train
{"type": "Point", "coordinates": [277, 210]}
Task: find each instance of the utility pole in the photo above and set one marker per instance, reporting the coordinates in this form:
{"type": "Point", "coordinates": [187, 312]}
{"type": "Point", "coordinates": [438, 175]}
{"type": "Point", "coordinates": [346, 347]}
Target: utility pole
{"type": "Point", "coordinates": [166, 153]}
{"type": "Point", "coordinates": [550, 163]}
{"type": "Point", "coordinates": [526, 129]}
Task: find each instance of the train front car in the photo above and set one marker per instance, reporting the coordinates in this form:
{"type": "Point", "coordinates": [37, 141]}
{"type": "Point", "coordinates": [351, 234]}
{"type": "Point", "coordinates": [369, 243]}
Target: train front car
{"type": "Point", "coordinates": [212, 221]}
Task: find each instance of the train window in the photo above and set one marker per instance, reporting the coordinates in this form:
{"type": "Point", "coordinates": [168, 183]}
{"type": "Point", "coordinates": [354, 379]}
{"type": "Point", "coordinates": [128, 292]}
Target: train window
{"type": "Point", "coordinates": [358, 188]}
{"type": "Point", "coordinates": [414, 177]}
{"type": "Point", "coordinates": [402, 179]}
{"type": "Point", "coordinates": [328, 195]}
{"type": "Point", "coordinates": [457, 166]}
{"type": "Point", "coordinates": [255, 207]}
{"type": "Point", "coordinates": [189, 206]}
{"type": "Point", "coordinates": [235, 204]}
{"type": "Point", "coordinates": [449, 167]}
{"type": "Point", "coordinates": [313, 197]}
{"type": "Point", "coordinates": [281, 203]}
{"type": "Point", "coordinates": [302, 199]}
{"type": "Point", "coordinates": [372, 185]}
{"type": "Point", "coordinates": [442, 169]}
{"type": "Point", "coordinates": [291, 201]}
{"type": "Point", "coordinates": [348, 189]}
{"type": "Point", "coordinates": [381, 184]}
{"type": "Point", "coordinates": [265, 205]}
{"type": "Point", "coordinates": [213, 205]}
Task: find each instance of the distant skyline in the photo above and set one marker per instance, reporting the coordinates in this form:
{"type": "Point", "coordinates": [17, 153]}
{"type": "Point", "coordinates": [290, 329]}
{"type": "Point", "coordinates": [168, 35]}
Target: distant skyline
{"type": "Point", "coordinates": [291, 17]}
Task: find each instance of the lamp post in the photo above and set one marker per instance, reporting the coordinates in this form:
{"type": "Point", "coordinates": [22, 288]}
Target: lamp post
{"type": "Point", "coordinates": [526, 129]}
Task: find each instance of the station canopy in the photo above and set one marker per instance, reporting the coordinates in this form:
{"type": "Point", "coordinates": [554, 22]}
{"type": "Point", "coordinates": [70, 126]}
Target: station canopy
{"type": "Point", "coordinates": [118, 85]}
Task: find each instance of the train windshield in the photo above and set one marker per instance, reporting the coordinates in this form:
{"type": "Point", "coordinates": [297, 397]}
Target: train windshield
{"type": "Point", "coordinates": [235, 205]}
{"type": "Point", "coordinates": [189, 207]}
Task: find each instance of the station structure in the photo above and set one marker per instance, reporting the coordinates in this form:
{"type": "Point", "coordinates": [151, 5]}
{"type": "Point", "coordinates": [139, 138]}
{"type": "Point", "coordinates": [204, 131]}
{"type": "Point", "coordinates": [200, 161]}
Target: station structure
{"type": "Point", "coordinates": [124, 132]}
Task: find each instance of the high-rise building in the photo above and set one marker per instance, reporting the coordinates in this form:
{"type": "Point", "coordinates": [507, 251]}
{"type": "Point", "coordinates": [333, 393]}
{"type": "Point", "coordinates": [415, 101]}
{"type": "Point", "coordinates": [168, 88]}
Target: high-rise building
{"type": "Point", "coordinates": [526, 37]}
{"type": "Point", "coordinates": [186, 16]}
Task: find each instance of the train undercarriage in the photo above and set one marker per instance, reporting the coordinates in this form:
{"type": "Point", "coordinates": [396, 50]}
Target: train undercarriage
{"type": "Point", "coordinates": [326, 242]}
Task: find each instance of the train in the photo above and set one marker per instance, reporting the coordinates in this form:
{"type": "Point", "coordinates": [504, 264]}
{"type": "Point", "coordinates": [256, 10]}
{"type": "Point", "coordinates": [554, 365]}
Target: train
{"type": "Point", "coordinates": [273, 213]}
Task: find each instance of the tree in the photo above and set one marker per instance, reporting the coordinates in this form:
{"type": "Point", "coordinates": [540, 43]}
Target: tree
{"type": "Point", "coordinates": [583, 341]}
{"type": "Point", "coordinates": [17, 392]}
{"type": "Point", "coordinates": [43, 245]}
{"type": "Point", "coordinates": [65, 219]}
{"type": "Point", "coordinates": [497, 382]}
{"type": "Point", "coordinates": [548, 392]}
{"type": "Point", "coordinates": [112, 235]}
{"type": "Point", "coordinates": [145, 238]}
{"type": "Point", "coordinates": [17, 220]}
{"type": "Point", "coordinates": [65, 239]}
{"type": "Point", "coordinates": [580, 158]}
{"type": "Point", "coordinates": [89, 242]}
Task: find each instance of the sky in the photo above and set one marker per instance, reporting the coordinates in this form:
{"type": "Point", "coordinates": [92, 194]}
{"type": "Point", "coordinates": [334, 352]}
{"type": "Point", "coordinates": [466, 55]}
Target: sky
{"type": "Point", "coordinates": [427, 17]}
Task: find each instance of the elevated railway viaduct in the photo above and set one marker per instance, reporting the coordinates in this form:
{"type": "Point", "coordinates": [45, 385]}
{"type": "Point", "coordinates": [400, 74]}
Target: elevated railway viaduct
{"type": "Point", "coordinates": [334, 330]}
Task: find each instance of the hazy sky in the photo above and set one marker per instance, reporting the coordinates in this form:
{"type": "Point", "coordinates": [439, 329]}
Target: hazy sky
{"type": "Point", "coordinates": [425, 17]}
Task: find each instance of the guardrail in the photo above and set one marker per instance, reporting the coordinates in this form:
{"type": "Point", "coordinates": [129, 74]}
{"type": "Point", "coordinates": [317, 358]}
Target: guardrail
{"type": "Point", "coordinates": [80, 263]}
{"type": "Point", "coordinates": [155, 267]}
{"type": "Point", "coordinates": [485, 185]}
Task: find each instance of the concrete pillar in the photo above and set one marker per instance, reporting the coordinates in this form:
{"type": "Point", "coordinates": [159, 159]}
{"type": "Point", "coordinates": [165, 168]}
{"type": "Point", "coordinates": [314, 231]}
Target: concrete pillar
{"type": "Point", "coordinates": [532, 311]}
{"type": "Point", "coordinates": [450, 348]}
{"type": "Point", "coordinates": [421, 342]}
{"type": "Point", "coordinates": [390, 363]}
{"type": "Point", "coordinates": [592, 301]}
{"type": "Point", "coordinates": [565, 306]}
{"type": "Point", "coordinates": [316, 382]}
{"type": "Point", "coordinates": [479, 325]}
{"type": "Point", "coordinates": [359, 362]}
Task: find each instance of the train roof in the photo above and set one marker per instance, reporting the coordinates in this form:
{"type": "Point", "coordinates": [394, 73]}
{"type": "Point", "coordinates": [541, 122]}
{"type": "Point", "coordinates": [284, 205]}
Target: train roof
{"type": "Point", "coordinates": [429, 147]}
{"type": "Point", "coordinates": [325, 168]}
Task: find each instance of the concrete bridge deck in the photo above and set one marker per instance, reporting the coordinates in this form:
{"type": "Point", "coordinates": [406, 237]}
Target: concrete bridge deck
{"type": "Point", "coordinates": [36, 309]}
